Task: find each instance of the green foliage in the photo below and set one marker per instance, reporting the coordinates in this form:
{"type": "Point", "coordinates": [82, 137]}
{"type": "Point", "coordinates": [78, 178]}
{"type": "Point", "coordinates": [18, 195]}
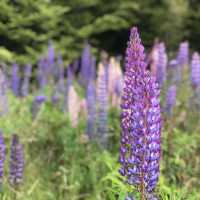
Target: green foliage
{"type": "Point", "coordinates": [26, 26]}
{"type": "Point", "coordinates": [62, 164]}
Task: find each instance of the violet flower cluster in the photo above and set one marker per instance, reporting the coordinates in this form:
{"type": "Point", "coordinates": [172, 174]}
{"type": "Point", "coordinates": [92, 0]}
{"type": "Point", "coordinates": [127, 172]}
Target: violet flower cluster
{"type": "Point", "coordinates": [3, 94]}
{"type": "Point", "coordinates": [140, 149]}
{"type": "Point", "coordinates": [16, 162]}
{"type": "Point", "coordinates": [195, 70]}
{"type": "Point", "coordinates": [42, 73]}
{"type": "Point", "coordinates": [183, 54]}
{"type": "Point", "coordinates": [91, 109]}
{"type": "Point", "coordinates": [59, 85]}
{"type": "Point", "coordinates": [170, 100]}
{"type": "Point", "coordinates": [161, 65]}
{"type": "Point", "coordinates": [86, 62]}
{"type": "Point", "coordinates": [51, 69]}
{"type": "Point", "coordinates": [2, 157]}
{"type": "Point", "coordinates": [15, 82]}
{"type": "Point", "coordinates": [102, 97]}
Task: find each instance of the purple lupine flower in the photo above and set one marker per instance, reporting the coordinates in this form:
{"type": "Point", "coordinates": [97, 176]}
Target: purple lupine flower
{"type": "Point", "coordinates": [141, 122]}
{"type": "Point", "coordinates": [16, 162]}
{"type": "Point", "coordinates": [86, 62]}
{"type": "Point", "coordinates": [93, 69]}
{"type": "Point", "coordinates": [38, 101]}
{"type": "Point", "coordinates": [42, 73]}
{"type": "Point", "coordinates": [161, 64]}
{"type": "Point", "coordinates": [91, 109]}
{"type": "Point", "coordinates": [183, 54]}
{"type": "Point", "coordinates": [26, 80]}
{"type": "Point", "coordinates": [15, 82]}
{"type": "Point", "coordinates": [2, 157]}
{"type": "Point", "coordinates": [195, 70]}
{"type": "Point", "coordinates": [51, 69]}
{"type": "Point", "coordinates": [170, 100]}
{"type": "Point", "coordinates": [3, 94]}
{"type": "Point", "coordinates": [102, 97]}
{"type": "Point", "coordinates": [51, 52]}
{"type": "Point", "coordinates": [134, 61]}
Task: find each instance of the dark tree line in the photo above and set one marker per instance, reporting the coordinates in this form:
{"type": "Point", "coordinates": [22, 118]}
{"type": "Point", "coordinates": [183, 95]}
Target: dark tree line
{"type": "Point", "coordinates": [26, 26]}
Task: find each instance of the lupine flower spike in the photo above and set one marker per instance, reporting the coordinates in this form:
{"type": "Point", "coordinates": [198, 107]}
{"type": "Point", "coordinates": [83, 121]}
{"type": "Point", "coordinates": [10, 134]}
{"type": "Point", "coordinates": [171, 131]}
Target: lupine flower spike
{"type": "Point", "coordinates": [91, 109]}
{"type": "Point", "coordinates": [42, 73]}
{"type": "Point", "coordinates": [16, 162]}
{"type": "Point", "coordinates": [195, 80]}
{"type": "Point", "coordinates": [114, 81]}
{"type": "Point", "coordinates": [195, 70]}
{"type": "Point", "coordinates": [52, 70]}
{"type": "Point", "coordinates": [86, 65]}
{"type": "Point", "coordinates": [182, 58]}
{"type": "Point", "coordinates": [15, 83]}
{"type": "Point", "coordinates": [102, 97]}
{"type": "Point", "coordinates": [141, 122]}
{"type": "Point", "coordinates": [2, 157]}
{"type": "Point", "coordinates": [183, 54]}
{"type": "Point", "coordinates": [3, 94]}
{"type": "Point", "coordinates": [170, 100]}
{"type": "Point", "coordinates": [161, 64]}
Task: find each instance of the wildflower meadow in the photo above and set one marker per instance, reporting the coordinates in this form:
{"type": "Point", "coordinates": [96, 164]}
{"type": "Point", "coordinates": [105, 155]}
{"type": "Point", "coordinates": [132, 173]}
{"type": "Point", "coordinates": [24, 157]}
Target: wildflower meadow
{"type": "Point", "coordinates": [97, 125]}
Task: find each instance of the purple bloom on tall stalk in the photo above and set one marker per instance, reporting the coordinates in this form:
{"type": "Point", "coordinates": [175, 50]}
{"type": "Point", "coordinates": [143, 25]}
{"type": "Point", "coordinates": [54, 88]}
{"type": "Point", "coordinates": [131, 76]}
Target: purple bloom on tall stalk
{"type": "Point", "coordinates": [195, 70]}
{"type": "Point", "coordinates": [161, 64]}
{"type": "Point", "coordinates": [182, 59]}
{"type": "Point", "coordinates": [51, 52]}
{"type": "Point", "coordinates": [2, 157]}
{"type": "Point", "coordinates": [3, 94]}
{"type": "Point", "coordinates": [26, 80]}
{"type": "Point", "coordinates": [195, 81]}
{"type": "Point", "coordinates": [42, 73]}
{"type": "Point", "coordinates": [36, 105]}
{"type": "Point", "coordinates": [86, 62]}
{"type": "Point", "coordinates": [59, 85]}
{"type": "Point", "coordinates": [170, 100]}
{"type": "Point", "coordinates": [183, 54]}
{"type": "Point", "coordinates": [15, 82]}
{"type": "Point", "coordinates": [16, 162]}
{"type": "Point", "coordinates": [102, 97]}
{"type": "Point", "coordinates": [91, 109]}
{"type": "Point", "coordinates": [49, 64]}
{"type": "Point", "coordinates": [140, 149]}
